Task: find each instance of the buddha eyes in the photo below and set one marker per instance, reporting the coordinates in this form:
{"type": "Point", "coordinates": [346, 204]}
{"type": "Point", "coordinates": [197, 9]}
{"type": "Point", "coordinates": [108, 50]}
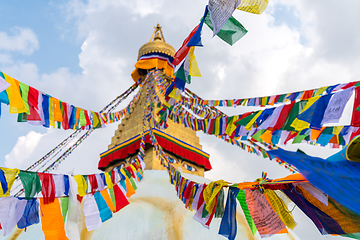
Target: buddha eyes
{"type": "Point", "coordinates": [189, 168]}
{"type": "Point", "coordinates": [186, 166]}
{"type": "Point", "coordinates": [172, 160]}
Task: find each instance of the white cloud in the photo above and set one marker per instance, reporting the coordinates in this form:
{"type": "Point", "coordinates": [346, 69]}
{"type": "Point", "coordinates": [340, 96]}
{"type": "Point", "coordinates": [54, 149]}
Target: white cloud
{"type": "Point", "coordinates": [22, 40]}
{"type": "Point", "coordinates": [23, 149]}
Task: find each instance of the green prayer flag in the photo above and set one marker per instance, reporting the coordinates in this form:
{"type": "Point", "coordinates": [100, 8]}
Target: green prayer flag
{"type": "Point", "coordinates": [204, 212]}
{"type": "Point", "coordinates": [219, 212]}
{"type": "Point", "coordinates": [22, 117]}
{"type": "Point", "coordinates": [64, 206]}
{"type": "Point", "coordinates": [24, 90]}
{"type": "Point", "coordinates": [281, 98]}
{"type": "Point", "coordinates": [295, 111]}
{"type": "Point", "coordinates": [257, 135]}
{"type": "Point", "coordinates": [180, 73]}
{"type": "Point", "coordinates": [298, 138]}
{"type": "Point", "coordinates": [112, 195]}
{"type": "Point", "coordinates": [245, 120]}
{"type": "Point", "coordinates": [231, 32]}
{"type": "Point", "coordinates": [31, 183]}
{"type": "Point", "coordinates": [82, 118]}
{"type": "Point", "coordinates": [242, 200]}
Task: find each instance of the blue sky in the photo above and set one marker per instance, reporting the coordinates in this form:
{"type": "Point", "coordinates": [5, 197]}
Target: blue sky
{"type": "Point", "coordinates": [83, 53]}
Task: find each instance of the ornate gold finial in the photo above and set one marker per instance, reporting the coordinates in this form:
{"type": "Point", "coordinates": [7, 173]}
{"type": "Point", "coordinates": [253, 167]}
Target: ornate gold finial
{"type": "Point", "coordinates": [157, 44]}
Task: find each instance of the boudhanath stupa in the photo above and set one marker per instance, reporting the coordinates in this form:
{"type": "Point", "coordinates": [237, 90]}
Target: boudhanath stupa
{"type": "Point", "coordinates": [155, 211]}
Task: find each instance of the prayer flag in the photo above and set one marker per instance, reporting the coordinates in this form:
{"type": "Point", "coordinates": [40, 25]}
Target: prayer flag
{"type": "Point", "coordinates": [3, 84]}
{"type": "Point", "coordinates": [47, 187]}
{"type": "Point", "coordinates": [105, 212]}
{"type": "Point", "coordinates": [184, 49]}
{"type": "Point", "coordinates": [196, 38]}
{"type": "Point", "coordinates": [10, 174]}
{"type": "Point", "coordinates": [16, 102]}
{"type": "Point", "coordinates": [253, 6]}
{"type": "Point", "coordinates": [31, 183]}
{"type": "Point", "coordinates": [193, 69]}
{"type": "Point", "coordinates": [220, 12]}
{"type": "Point", "coordinates": [336, 106]}
{"type": "Point", "coordinates": [30, 215]}
{"type": "Point", "coordinates": [52, 220]}
{"type": "Point", "coordinates": [231, 32]}
{"type": "Point", "coordinates": [11, 211]}
{"type": "Point", "coordinates": [355, 119]}
{"type": "Point", "coordinates": [91, 212]}
{"type": "Point", "coordinates": [228, 225]}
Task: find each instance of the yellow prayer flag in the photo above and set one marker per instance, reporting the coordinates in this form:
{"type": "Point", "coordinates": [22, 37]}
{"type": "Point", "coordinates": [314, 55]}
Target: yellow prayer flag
{"type": "Point", "coordinates": [249, 125]}
{"type": "Point", "coordinates": [320, 91]}
{"type": "Point", "coordinates": [231, 126]}
{"type": "Point", "coordinates": [337, 129]}
{"type": "Point", "coordinates": [217, 126]}
{"type": "Point", "coordinates": [82, 185]}
{"type": "Point", "coordinates": [280, 208]}
{"type": "Point", "coordinates": [51, 112]}
{"type": "Point", "coordinates": [194, 69]}
{"type": "Point", "coordinates": [108, 180]}
{"type": "Point", "coordinates": [210, 193]}
{"type": "Point", "coordinates": [253, 6]}
{"type": "Point", "coordinates": [10, 174]}
{"type": "Point", "coordinates": [299, 125]}
{"type": "Point", "coordinates": [16, 102]}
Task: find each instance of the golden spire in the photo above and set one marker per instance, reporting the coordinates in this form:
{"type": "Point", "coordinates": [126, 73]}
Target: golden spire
{"type": "Point", "coordinates": [157, 44]}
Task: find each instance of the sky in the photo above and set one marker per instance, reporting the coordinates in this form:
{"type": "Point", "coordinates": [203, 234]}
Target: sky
{"type": "Point", "coordinates": [82, 52]}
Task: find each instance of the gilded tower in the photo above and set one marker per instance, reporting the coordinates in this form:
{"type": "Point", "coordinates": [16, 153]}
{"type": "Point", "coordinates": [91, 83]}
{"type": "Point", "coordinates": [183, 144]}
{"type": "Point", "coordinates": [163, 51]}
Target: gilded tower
{"type": "Point", "coordinates": [179, 142]}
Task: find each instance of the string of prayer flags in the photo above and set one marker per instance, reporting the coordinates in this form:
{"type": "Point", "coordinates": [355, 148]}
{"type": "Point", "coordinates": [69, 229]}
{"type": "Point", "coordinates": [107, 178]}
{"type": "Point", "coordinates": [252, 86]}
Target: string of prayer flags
{"type": "Point", "coordinates": [253, 6]}
{"type": "Point", "coordinates": [274, 99]}
{"type": "Point", "coordinates": [38, 108]}
{"type": "Point", "coordinates": [231, 32]}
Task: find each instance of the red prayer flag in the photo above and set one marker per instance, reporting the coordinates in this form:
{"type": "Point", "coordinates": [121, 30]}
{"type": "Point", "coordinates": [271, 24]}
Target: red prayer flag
{"type": "Point", "coordinates": [355, 120]}
{"type": "Point", "coordinates": [291, 136]}
{"type": "Point", "coordinates": [33, 97]}
{"type": "Point", "coordinates": [93, 182]}
{"type": "Point", "coordinates": [307, 94]}
{"type": "Point", "coordinates": [48, 187]}
{"type": "Point", "coordinates": [183, 50]}
{"type": "Point", "coordinates": [65, 122]}
{"type": "Point", "coordinates": [283, 115]}
{"type": "Point", "coordinates": [120, 199]}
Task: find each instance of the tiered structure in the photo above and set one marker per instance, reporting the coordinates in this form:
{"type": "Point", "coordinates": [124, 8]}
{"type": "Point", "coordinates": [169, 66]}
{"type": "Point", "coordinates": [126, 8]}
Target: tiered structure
{"type": "Point", "coordinates": [181, 144]}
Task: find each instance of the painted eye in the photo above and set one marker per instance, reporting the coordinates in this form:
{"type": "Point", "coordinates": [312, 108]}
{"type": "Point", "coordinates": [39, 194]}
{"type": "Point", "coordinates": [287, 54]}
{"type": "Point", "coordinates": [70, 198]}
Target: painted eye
{"type": "Point", "coordinates": [172, 160]}
{"type": "Point", "coordinates": [189, 168]}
